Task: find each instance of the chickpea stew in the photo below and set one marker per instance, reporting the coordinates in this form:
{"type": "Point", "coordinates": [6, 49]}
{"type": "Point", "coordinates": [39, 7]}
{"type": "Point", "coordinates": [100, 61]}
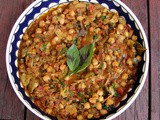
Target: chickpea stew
{"type": "Point", "coordinates": [78, 60]}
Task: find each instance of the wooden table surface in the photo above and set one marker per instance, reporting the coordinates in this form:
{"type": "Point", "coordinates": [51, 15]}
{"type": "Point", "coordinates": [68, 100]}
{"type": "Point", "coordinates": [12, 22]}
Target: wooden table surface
{"type": "Point", "coordinates": [146, 106]}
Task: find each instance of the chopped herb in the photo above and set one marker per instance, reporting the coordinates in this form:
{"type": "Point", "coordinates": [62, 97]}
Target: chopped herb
{"type": "Point", "coordinates": [62, 84]}
{"type": "Point", "coordinates": [103, 17]}
{"type": "Point", "coordinates": [95, 37]}
{"type": "Point", "coordinates": [66, 91]}
{"type": "Point", "coordinates": [64, 50]}
{"type": "Point", "coordinates": [116, 94]}
{"type": "Point", "coordinates": [80, 94]}
{"type": "Point", "coordinates": [112, 25]}
{"type": "Point", "coordinates": [84, 101]}
{"type": "Point", "coordinates": [44, 47]}
{"type": "Point", "coordinates": [28, 54]}
{"type": "Point", "coordinates": [71, 93]}
{"type": "Point", "coordinates": [93, 106]}
{"type": "Point", "coordinates": [106, 107]}
{"type": "Point", "coordinates": [102, 65]}
{"type": "Point", "coordinates": [76, 41]}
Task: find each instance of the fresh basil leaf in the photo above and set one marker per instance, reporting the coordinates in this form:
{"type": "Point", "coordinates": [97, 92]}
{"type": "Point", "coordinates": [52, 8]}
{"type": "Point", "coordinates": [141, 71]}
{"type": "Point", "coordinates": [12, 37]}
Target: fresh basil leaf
{"type": "Point", "coordinates": [86, 54]}
{"type": "Point", "coordinates": [73, 57]}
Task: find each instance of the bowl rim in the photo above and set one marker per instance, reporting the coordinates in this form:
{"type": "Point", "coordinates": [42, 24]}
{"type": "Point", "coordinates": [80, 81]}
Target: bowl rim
{"type": "Point", "coordinates": [112, 115]}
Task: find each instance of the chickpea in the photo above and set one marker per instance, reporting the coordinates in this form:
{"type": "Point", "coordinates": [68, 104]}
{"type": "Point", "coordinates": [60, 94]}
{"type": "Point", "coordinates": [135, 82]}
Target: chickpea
{"type": "Point", "coordinates": [79, 117]}
{"type": "Point", "coordinates": [89, 116]}
{"type": "Point", "coordinates": [111, 40]}
{"type": "Point", "coordinates": [62, 67]}
{"type": "Point", "coordinates": [33, 51]}
{"type": "Point", "coordinates": [72, 13]}
{"type": "Point", "coordinates": [105, 10]}
{"type": "Point", "coordinates": [80, 18]}
{"type": "Point", "coordinates": [61, 106]}
{"type": "Point", "coordinates": [61, 20]}
{"type": "Point", "coordinates": [129, 61]}
{"type": "Point", "coordinates": [114, 19]}
{"type": "Point", "coordinates": [25, 36]}
{"type": "Point", "coordinates": [46, 78]}
{"type": "Point", "coordinates": [123, 84]}
{"type": "Point", "coordinates": [97, 30]}
{"type": "Point", "coordinates": [95, 61]}
{"type": "Point", "coordinates": [49, 110]}
{"type": "Point", "coordinates": [129, 71]}
{"type": "Point", "coordinates": [103, 112]}
{"type": "Point", "coordinates": [59, 10]}
{"type": "Point", "coordinates": [49, 69]}
{"type": "Point", "coordinates": [99, 14]}
{"type": "Point", "coordinates": [92, 100]}
{"type": "Point", "coordinates": [41, 23]}
{"type": "Point", "coordinates": [55, 40]}
{"type": "Point", "coordinates": [46, 66]}
{"type": "Point", "coordinates": [115, 64]}
{"type": "Point", "coordinates": [98, 105]}
{"type": "Point", "coordinates": [69, 37]}
{"type": "Point", "coordinates": [126, 33]}
{"type": "Point", "coordinates": [28, 42]}
{"type": "Point", "coordinates": [130, 42]}
{"type": "Point", "coordinates": [87, 105]}
{"type": "Point", "coordinates": [91, 29]}
{"type": "Point", "coordinates": [48, 22]}
{"type": "Point", "coordinates": [108, 58]}
{"type": "Point", "coordinates": [100, 92]}
{"type": "Point", "coordinates": [139, 58]}
{"type": "Point", "coordinates": [131, 82]}
{"type": "Point", "coordinates": [95, 95]}
{"type": "Point", "coordinates": [51, 28]}
{"type": "Point", "coordinates": [120, 27]}
{"type": "Point", "coordinates": [101, 99]}
{"type": "Point", "coordinates": [39, 30]}
{"type": "Point", "coordinates": [134, 37]}
{"type": "Point", "coordinates": [54, 12]}
{"type": "Point", "coordinates": [125, 76]}
{"type": "Point", "coordinates": [36, 40]}
{"type": "Point", "coordinates": [71, 31]}
{"type": "Point", "coordinates": [109, 101]}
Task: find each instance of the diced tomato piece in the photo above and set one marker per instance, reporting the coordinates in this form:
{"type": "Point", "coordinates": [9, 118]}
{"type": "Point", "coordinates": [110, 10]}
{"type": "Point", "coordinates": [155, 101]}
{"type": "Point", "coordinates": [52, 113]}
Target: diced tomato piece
{"type": "Point", "coordinates": [120, 90]}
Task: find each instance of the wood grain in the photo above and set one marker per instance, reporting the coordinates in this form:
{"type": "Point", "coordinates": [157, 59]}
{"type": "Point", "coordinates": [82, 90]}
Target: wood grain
{"type": "Point", "coordinates": [139, 109]}
{"type": "Point", "coordinates": [155, 58]}
{"type": "Point", "coordinates": [10, 106]}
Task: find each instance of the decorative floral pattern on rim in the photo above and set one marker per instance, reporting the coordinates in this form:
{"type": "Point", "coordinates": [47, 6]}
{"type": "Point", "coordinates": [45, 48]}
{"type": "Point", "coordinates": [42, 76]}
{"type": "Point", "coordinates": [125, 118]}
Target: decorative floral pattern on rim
{"type": "Point", "coordinates": [35, 10]}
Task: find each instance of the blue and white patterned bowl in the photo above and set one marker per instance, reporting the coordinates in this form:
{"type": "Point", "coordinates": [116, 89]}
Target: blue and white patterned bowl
{"type": "Point", "coordinates": [40, 6]}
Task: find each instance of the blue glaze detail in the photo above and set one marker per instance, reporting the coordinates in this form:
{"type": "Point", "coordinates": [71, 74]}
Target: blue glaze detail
{"type": "Point", "coordinates": [30, 16]}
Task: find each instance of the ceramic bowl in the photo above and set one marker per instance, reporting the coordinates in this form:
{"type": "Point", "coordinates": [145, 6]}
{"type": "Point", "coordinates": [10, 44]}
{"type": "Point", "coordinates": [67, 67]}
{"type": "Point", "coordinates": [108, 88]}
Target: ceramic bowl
{"type": "Point", "coordinates": [40, 6]}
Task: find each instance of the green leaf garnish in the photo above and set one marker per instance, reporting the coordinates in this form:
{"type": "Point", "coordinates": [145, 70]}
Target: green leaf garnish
{"type": "Point", "coordinates": [73, 57]}
{"type": "Point", "coordinates": [78, 60]}
{"type": "Point", "coordinates": [86, 54]}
